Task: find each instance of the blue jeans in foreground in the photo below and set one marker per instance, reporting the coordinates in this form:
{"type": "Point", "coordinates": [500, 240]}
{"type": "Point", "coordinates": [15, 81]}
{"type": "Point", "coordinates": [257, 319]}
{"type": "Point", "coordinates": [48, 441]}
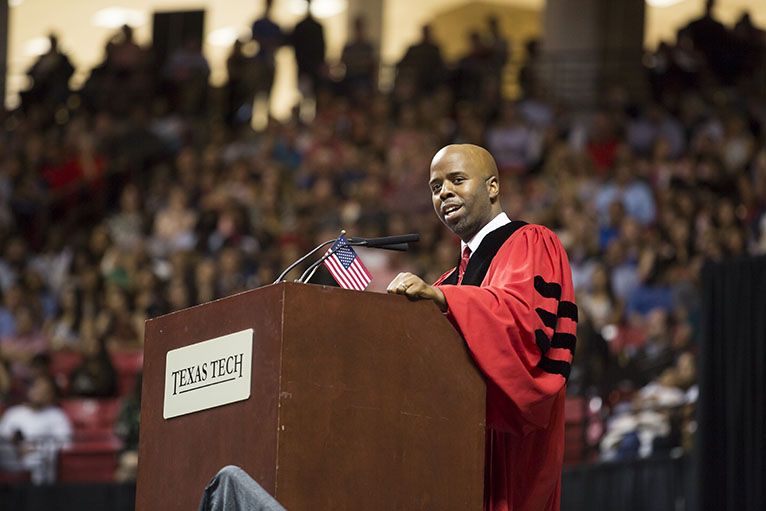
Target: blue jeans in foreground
{"type": "Point", "coordinates": [231, 489]}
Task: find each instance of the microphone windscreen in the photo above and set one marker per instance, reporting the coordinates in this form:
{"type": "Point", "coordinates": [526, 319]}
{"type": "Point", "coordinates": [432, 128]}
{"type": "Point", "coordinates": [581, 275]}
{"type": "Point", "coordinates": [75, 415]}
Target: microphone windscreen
{"type": "Point", "coordinates": [392, 240]}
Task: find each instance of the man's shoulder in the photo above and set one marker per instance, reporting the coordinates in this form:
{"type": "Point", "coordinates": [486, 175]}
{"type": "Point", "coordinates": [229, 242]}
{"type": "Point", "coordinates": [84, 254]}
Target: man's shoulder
{"type": "Point", "coordinates": [505, 233]}
{"type": "Point", "coordinates": [55, 413]}
{"type": "Point", "coordinates": [16, 413]}
{"type": "Point", "coordinates": [530, 235]}
{"type": "Point", "coordinates": [528, 228]}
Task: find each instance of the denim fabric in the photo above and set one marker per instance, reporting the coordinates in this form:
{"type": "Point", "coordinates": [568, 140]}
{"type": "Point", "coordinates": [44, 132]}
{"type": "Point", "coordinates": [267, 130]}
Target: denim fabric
{"type": "Point", "coordinates": [233, 490]}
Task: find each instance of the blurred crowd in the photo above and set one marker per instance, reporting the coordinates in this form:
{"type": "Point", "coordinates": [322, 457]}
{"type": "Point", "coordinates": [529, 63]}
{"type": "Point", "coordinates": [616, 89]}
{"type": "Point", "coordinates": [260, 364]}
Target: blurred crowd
{"type": "Point", "coordinates": [147, 191]}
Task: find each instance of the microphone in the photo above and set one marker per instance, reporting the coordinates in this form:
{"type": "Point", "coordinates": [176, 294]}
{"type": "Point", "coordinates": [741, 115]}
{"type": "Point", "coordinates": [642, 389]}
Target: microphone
{"type": "Point", "coordinates": [299, 261]}
{"type": "Point", "coordinates": [387, 242]}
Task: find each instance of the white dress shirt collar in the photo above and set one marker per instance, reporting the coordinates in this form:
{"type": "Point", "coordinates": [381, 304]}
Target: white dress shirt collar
{"type": "Point", "coordinates": [497, 222]}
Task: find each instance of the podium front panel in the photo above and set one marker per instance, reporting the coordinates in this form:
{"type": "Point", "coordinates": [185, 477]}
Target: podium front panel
{"type": "Point", "coordinates": [381, 406]}
{"type": "Point", "coordinates": [178, 456]}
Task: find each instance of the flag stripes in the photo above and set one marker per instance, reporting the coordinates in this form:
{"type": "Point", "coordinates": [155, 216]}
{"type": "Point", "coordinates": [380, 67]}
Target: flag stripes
{"type": "Point", "coordinates": [356, 277]}
{"type": "Point", "coordinates": [345, 267]}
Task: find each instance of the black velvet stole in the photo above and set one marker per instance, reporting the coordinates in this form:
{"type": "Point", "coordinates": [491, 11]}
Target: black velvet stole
{"type": "Point", "coordinates": [478, 264]}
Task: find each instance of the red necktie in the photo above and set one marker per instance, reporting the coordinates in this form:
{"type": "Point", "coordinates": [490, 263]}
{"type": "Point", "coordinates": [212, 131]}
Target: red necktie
{"type": "Point", "coordinates": [463, 264]}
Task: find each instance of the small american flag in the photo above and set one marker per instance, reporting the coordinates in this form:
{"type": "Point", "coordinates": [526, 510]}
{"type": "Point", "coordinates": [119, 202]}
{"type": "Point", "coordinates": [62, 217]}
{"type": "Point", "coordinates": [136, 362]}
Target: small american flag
{"type": "Point", "coordinates": [346, 267]}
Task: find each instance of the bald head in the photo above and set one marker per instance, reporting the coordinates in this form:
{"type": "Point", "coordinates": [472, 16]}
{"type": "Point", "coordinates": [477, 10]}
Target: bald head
{"type": "Point", "coordinates": [465, 188]}
{"type": "Point", "coordinates": [474, 157]}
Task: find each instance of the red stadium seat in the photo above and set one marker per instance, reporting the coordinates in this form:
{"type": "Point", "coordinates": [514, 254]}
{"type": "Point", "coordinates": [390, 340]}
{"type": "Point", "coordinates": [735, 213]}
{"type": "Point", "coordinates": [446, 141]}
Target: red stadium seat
{"type": "Point", "coordinates": [127, 364]}
{"type": "Point", "coordinates": [93, 454]}
{"type": "Point", "coordinates": [108, 410]}
{"type": "Point", "coordinates": [89, 461]}
{"type": "Point", "coordinates": [92, 419]}
{"type": "Point", "coordinates": [14, 477]}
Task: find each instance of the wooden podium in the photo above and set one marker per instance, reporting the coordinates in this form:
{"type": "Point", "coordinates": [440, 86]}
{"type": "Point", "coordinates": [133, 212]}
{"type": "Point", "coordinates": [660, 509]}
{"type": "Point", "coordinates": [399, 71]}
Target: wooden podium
{"type": "Point", "coordinates": [359, 401]}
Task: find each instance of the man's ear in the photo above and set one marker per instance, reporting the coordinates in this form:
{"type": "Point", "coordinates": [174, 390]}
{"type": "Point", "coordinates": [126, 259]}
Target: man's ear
{"type": "Point", "coordinates": [493, 188]}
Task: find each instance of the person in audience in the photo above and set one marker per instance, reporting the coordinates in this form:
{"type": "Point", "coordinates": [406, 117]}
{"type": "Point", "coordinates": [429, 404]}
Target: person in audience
{"type": "Point", "coordinates": [62, 330]}
{"type": "Point", "coordinates": [116, 321]}
{"type": "Point", "coordinates": [174, 224]}
{"type": "Point", "coordinates": [598, 302]}
{"type": "Point", "coordinates": [50, 76]}
{"type": "Point", "coordinates": [422, 65]}
{"type": "Point", "coordinates": [95, 376]}
{"type": "Point", "coordinates": [308, 41]}
{"type": "Point", "coordinates": [187, 73]}
{"type": "Point", "coordinates": [126, 226]}
{"type": "Point", "coordinates": [7, 321]}
{"type": "Point", "coordinates": [239, 87]}
{"type": "Point", "coordinates": [32, 433]}
{"type": "Point", "coordinates": [6, 381]}
{"type": "Point", "coordinates": [359, 57]}
{"type": "Point", "coordinates": [127, 428]}
{"type": "Point", "coordinates": [510, 140]}
{"type": "Point", "coordinates": [27, 342]}
{"type": "Point", "coordinates": [499, 49]}
{"type": "Point", "coordinates": [269, 37]}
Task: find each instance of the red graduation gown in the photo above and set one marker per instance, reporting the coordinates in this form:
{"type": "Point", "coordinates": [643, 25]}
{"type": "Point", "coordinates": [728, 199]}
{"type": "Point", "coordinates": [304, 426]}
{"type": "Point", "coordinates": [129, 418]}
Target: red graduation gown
{"type": "Point", "coordinates": [519, 325]}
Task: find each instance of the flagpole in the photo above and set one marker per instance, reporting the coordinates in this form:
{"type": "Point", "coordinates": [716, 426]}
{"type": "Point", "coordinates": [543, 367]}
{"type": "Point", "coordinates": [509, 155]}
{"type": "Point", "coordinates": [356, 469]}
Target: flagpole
{"type": "Point", "coordinates": [312, 273]}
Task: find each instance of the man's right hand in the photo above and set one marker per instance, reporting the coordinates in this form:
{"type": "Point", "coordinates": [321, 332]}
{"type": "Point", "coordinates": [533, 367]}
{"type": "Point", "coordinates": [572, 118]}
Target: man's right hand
{"type": "Point", "coordinates": [415, 288]}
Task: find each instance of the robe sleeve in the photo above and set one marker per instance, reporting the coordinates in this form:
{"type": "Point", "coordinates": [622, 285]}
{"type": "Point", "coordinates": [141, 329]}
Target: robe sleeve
{"type": "Point", "coordinates": [520, 327]}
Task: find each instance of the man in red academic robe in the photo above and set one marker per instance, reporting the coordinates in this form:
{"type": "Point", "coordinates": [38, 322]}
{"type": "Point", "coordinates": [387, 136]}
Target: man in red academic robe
{"type": "Point", "coordinates": [512, 300]}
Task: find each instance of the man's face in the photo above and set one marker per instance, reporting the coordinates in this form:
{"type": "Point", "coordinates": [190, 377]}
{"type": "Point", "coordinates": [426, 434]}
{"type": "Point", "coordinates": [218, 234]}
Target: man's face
{"type": "Point", "coordinates": [41, 393]}
{"type": "Point", "coordinates": [462, 191]}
